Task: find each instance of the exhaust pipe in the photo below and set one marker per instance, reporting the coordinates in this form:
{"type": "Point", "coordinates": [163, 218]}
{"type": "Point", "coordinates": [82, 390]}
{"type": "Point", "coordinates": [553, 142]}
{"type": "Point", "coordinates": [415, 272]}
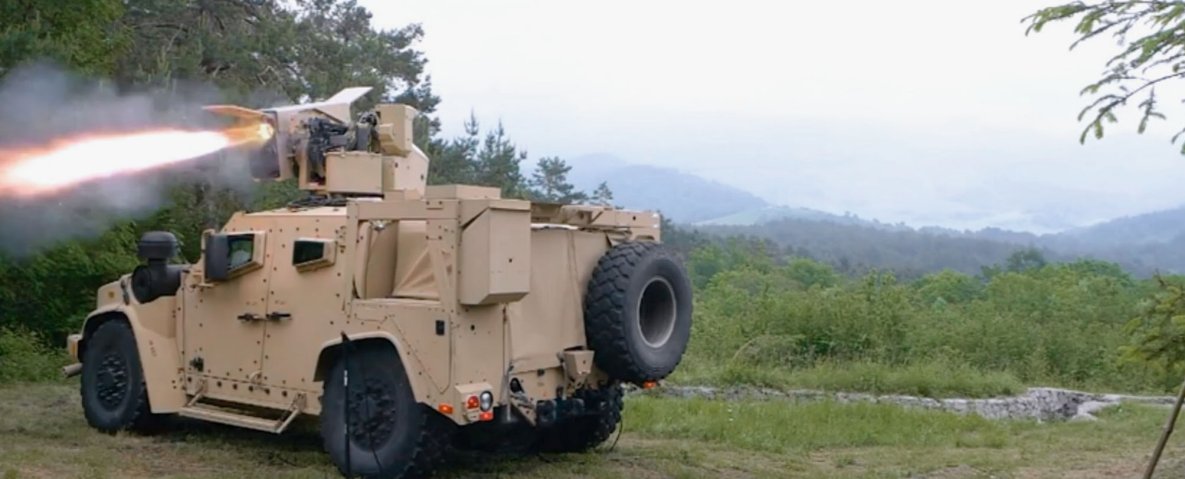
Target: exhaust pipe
{"type": "Point", "coordinates": [72, 370]}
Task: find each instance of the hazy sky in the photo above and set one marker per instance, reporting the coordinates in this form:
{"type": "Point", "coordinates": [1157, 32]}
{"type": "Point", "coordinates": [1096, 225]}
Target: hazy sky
{"type": "Point", "coordinates": [927, 112]}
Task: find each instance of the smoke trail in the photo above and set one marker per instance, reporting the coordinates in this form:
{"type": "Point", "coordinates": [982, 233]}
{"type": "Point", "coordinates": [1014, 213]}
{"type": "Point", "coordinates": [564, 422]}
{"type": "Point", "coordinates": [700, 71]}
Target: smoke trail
{"type": "Point", "coordinates": [39, 103]}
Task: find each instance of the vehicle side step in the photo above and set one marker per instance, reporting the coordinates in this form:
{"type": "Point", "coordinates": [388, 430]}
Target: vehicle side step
{"type": "Point", "coordinates": [204, 412]}
{"type": "Point", "coordinates": [227, 417]}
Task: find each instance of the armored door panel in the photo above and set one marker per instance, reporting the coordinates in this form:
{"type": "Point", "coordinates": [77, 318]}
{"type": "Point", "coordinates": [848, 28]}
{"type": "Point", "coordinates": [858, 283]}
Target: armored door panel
{"type": "Point", "coordinates": [306, 300]}
{"type": "Point", "coordinates": [224, 322]}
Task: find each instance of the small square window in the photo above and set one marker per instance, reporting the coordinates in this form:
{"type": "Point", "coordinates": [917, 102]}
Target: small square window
{"type": "Point", "coordinates": [312, 253]}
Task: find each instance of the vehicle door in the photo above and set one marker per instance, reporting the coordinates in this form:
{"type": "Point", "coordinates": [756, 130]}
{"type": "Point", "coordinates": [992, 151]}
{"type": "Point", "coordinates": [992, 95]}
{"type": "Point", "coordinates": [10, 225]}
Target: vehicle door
{"type": "Point", "coordinates": [306, 300]}
{"type": "Point", "coordinates": [223, 320]}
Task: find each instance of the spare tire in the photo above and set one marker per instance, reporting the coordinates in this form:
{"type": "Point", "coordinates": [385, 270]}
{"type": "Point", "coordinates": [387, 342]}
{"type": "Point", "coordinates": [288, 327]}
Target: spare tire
{"type": "Point", "coordinates": [637, 312]}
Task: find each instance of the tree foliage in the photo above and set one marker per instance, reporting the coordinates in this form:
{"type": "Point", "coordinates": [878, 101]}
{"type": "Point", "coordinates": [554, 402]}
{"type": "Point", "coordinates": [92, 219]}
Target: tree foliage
{"type": "Point", "coordinates": [255, 49]}
{"type": "Point", "coordinates": [253, 52]}
{"type": "Point", "coordinates": [549, 183]}
{"type": "Point", "coordinates": [602, 196]}
{"type": "Point", "coordinates": [1151, 39]}
{"type": "Point", "coordinates": [1054, 324]}
{"type": "Point", "coordinates": [256, 52]}
{"type": "Point", "coordinates": [85, 34]}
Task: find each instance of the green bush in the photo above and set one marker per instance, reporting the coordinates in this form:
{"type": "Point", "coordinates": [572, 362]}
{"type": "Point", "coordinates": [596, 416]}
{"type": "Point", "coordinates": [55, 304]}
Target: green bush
{"type": "Point", "coordinates": [945, 334]}
{"type": "Point", "coordinates": [25, 358]}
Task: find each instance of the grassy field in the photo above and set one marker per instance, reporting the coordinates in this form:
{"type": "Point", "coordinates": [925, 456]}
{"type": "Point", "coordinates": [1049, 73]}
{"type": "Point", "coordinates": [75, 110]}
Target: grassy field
{"type": "Point", "coordinates": [43, 435]}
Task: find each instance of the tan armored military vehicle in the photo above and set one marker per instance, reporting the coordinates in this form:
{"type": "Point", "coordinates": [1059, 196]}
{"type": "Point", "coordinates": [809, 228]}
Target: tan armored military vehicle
{"type": "Point", "coordinates": [407, 317]}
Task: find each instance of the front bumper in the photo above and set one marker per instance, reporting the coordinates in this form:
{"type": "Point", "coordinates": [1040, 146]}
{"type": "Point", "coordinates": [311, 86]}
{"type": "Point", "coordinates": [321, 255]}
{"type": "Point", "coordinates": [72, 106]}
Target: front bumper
{"type": "Point", "coordinates": [72, 345]}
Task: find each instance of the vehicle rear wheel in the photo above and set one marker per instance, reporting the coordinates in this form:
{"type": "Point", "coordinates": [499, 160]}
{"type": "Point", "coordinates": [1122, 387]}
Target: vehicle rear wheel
{"type": "Point", "coordinates": [581, 433]}
{"type": "Point", "coordinates": [114, 395]}
{"type": "Point", "coordinates": [637, 312]}
{"type": "Point", "coordinates": [391, 435]}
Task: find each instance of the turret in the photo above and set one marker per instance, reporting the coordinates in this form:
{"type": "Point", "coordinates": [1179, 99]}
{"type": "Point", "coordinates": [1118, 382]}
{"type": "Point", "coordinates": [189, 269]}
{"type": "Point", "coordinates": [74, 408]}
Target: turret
{"type": "Point", "coordinates": [330, 154]}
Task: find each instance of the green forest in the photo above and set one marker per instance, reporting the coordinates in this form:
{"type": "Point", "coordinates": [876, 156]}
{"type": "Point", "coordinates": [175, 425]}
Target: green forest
{"type": "Point", "coordinates": [777, 311]}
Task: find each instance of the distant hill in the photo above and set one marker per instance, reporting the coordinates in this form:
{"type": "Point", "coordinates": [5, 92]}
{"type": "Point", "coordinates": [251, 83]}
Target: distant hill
{"type": "Point", "coordinates": [680, 196]}
{"type": "Point", "coordinates": [1146, 243]}
{"type": "Point", "coordinates": [856, 248]}
{"type": "Point", "coordinates": [1148, 228]}
{"type": "Point", "coordinates": [1143, 244]}
{"type": "Point", "coordinates": [768, 213]}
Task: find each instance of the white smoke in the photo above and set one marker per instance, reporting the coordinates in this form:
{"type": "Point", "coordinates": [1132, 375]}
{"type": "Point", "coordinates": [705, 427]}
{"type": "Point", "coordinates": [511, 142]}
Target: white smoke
{"type": "Point", "coordinates": [42, 102]}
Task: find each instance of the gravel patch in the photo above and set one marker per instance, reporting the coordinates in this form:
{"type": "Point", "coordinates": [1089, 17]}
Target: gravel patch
{"type": "Point", "coordinates": [1042, 404]}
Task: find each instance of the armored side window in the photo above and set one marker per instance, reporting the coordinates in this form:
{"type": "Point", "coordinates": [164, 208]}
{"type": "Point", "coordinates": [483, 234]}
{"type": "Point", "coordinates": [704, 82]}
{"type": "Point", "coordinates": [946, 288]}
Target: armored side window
{"type": "Point", "coordinates": [233, 254]}
{"type": "Point", "coordinates": [312, 253]}
{"type": "Point", "coordinates": [242, 249]}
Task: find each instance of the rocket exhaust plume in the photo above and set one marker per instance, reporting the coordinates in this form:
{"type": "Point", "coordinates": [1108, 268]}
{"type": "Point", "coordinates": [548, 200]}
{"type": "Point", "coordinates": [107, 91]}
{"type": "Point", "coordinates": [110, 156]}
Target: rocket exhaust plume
{"type": "Point", "coordinates": [68, 162]}
{"type": "Point", "coordinates": [79, 155]}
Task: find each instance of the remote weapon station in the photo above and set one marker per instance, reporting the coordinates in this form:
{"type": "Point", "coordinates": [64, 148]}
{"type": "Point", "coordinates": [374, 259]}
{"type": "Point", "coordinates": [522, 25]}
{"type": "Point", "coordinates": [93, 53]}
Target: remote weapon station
{"type": "Point", "coordinates": [407, 317]}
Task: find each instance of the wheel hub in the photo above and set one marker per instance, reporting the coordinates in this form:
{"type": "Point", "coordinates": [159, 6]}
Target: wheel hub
{"type": "Point", "coordinates": [657, 312]}
{"type": "Point", "coordinates": [372, 414]}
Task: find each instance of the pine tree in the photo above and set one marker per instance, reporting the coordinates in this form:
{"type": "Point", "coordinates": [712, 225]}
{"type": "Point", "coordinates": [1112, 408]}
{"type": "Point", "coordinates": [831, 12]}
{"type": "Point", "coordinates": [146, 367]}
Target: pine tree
{"type": "Point", "coordinates": [498, 164]}
{"type": "Point", "coordinates": [550, 183]}
{"type": "Point", "coordinates": [454, 161]}
{"type": "Point", "coordinates": [602, 196]}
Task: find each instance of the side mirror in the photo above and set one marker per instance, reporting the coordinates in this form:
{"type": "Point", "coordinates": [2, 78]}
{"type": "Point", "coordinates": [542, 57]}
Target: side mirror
{"type": "Point", "coordinates": [217, 257]}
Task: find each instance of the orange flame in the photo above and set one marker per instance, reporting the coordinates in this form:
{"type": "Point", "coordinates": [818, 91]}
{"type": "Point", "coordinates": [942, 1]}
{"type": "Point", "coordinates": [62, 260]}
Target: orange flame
{"type": "Point", "coordinates": [73, 161]}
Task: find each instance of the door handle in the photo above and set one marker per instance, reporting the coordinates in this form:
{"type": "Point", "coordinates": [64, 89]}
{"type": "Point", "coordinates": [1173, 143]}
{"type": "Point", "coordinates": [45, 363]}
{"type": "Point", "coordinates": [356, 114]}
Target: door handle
{"type": "Point", "coordinates": [249, 317]}
{"type": "Point", "coordinates": [276, 316]}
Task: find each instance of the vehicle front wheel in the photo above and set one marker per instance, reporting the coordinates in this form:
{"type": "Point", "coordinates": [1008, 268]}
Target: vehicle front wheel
{"type": "Point", "coordinates": [114, 395]}
{"type": "Point", "coordinates": [390, 434]}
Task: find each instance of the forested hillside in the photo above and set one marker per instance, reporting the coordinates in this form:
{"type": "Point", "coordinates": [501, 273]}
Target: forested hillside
{"type": "Point", "coordinates": [854, 249]}
{"type": "Point", "coordinates": [1143, 245]}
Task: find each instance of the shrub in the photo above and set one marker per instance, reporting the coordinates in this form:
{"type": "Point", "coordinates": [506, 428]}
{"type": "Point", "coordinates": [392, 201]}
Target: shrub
{"type": "Point", "coordinates": [25, 358]}
{"type": "Point", "coordinates": [1057, 324]}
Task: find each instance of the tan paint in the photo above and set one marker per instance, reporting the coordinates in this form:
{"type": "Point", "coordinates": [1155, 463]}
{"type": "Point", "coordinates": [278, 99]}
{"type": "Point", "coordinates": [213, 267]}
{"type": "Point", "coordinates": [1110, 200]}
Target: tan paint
{"type": "Point", "coordinates": [154, 328]}
{"type": "Point", "coordinates": [496, 254]}
{"type": "Point", "coordinates": [472, 290]}
{"type": "Point", "coordinates": [222, 322]}
{"type": "Point", "coordinates": [551, 317]}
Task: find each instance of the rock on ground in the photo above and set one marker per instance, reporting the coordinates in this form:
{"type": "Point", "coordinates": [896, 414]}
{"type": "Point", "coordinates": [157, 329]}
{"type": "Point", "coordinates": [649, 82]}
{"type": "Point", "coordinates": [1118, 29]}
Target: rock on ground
{"type": "Point", "coordinates": [1042, 404]}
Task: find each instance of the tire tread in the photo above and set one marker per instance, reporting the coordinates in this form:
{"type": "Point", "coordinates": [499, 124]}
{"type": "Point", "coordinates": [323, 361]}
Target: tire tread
{"type": "Point", "coordinates": [604, 304]}
{"type": "Point", "coordinates": [142, 419]}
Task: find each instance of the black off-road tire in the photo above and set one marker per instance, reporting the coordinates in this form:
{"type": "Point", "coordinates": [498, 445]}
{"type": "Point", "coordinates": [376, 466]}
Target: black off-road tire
{"type": "Point", "coordinates": [637, 312]}
{"type": "Point", "coordinates": [391, 435]}
{"type": "Point", "coordinates": [114, 395]}
{"type": "Point", "coordinates": [581, 433]}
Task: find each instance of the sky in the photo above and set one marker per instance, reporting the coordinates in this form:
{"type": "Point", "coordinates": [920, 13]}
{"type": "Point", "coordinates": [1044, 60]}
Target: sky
{"type": "Point", "coordinates": [923, 112]}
